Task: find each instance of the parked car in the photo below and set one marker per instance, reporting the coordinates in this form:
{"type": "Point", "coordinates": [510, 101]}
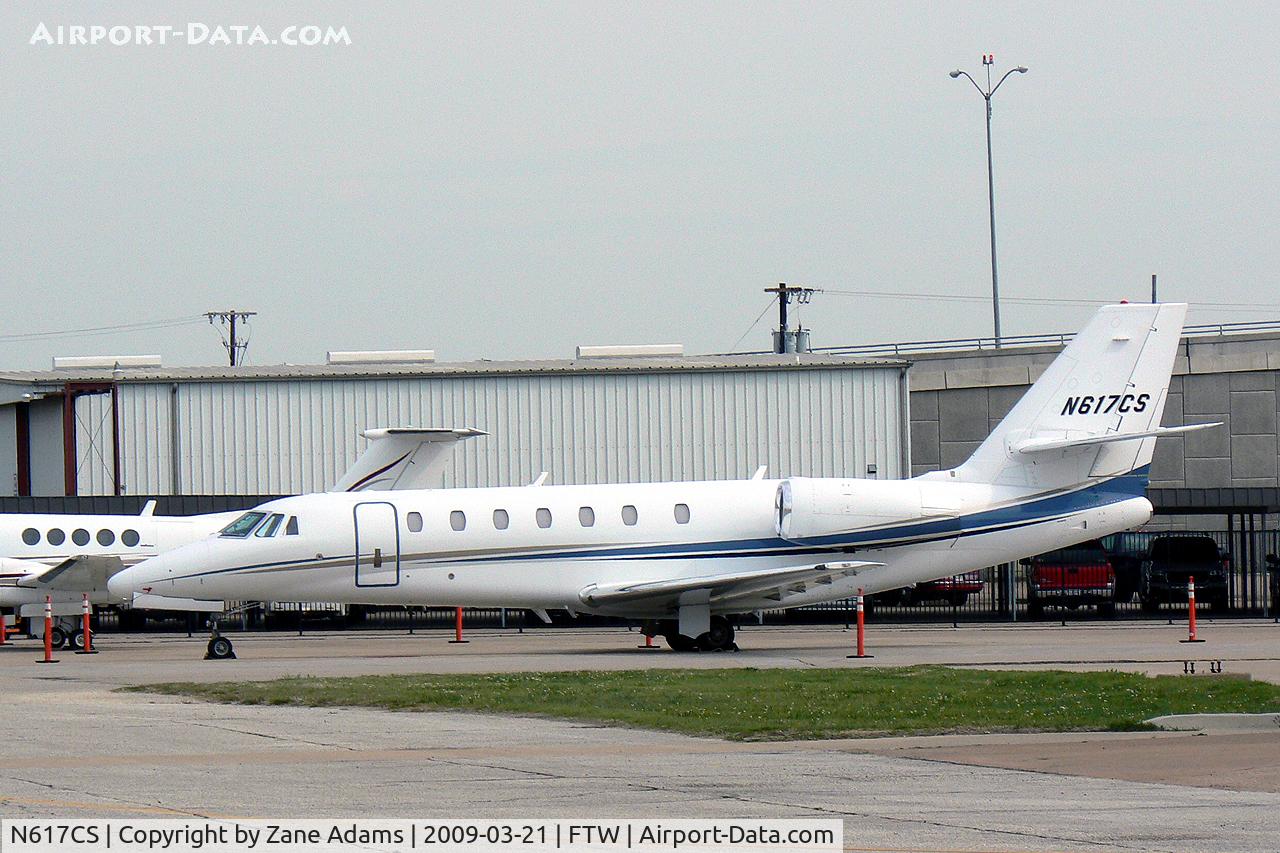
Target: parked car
{"type": "Point", "coordinates": [1172, 560]}
{"type": "Point", "coordinates": [1071, 577]}
{"type": "Point", "coordinates": [954, 590]}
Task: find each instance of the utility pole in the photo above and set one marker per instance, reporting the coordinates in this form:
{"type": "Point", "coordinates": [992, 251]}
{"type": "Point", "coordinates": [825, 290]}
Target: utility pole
{"type": "Point", "coordinates": [235, 348]}
{"type": "Point", "coordinates": [784, 341]}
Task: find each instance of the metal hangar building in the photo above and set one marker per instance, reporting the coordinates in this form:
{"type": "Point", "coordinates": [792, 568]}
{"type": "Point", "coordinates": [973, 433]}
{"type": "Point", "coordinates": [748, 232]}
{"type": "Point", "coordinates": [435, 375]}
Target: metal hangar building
{"type": "Point", "coordinates": [106, 428]}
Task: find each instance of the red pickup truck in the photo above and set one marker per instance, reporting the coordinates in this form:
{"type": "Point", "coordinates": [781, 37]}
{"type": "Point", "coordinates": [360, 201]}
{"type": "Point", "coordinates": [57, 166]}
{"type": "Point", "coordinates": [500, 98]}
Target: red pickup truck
{"type": "Point", "coordinates": [1071, 577]}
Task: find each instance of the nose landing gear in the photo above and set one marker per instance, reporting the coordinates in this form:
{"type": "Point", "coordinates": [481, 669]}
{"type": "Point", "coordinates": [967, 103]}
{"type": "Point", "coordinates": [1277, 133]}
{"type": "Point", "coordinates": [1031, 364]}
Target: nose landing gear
{"type": "Point", "coordinates": [220, 647]}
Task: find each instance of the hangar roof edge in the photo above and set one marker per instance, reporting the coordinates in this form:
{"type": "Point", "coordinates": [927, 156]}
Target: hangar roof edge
{"type": "Point", "coordinates": [667, 364]}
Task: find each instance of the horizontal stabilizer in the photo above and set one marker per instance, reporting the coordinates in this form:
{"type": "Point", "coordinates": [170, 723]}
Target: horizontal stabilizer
{"type": "Point", "coordinates": [403, 458]}
{"type": "Point", "coordinates": [720, 587]}
{"type": "Point", "coordinates": [1040, 444]}
{"type": "Point", "coordinates": [78, 574]}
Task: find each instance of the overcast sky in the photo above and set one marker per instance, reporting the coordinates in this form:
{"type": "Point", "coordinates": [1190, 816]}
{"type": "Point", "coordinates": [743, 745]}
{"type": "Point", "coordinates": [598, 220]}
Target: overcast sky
{"type": "Point", "coordinates": [497, 180]}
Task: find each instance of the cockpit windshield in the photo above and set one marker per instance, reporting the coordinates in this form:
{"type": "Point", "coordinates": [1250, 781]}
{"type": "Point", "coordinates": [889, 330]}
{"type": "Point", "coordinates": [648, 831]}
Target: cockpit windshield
{"type": "Point", "coordinates": [243, 526]}
{"type": "Point", "coordinates": [268, 529]}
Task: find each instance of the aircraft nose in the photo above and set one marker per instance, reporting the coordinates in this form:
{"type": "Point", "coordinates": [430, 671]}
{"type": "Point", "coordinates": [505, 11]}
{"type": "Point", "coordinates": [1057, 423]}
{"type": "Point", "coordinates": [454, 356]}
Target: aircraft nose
{"type": "Point", "coordinates": [153, 575]}
{"type": "Point", "coordinates": [124, 584]}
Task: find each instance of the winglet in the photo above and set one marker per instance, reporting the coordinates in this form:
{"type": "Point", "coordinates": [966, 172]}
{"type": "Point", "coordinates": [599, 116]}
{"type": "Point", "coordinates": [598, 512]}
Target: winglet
{"type": "Point", "coordinates": [542, 478]}
{"type": "Point", "coordinates": [148, 509]}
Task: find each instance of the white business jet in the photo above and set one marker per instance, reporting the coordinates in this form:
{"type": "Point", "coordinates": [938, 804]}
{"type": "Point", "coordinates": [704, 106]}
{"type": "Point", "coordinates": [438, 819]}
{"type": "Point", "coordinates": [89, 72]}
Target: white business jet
{"type": "Point", "coordinates": [68, 556]}
{"type": "Point", "coordinates": [1068, 464]}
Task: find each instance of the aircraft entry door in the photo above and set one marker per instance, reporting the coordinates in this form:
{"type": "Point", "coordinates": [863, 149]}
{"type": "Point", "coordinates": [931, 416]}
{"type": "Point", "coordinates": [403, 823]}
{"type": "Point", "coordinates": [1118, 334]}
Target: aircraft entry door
{"type": "Point", "coordinates": [377, 544]}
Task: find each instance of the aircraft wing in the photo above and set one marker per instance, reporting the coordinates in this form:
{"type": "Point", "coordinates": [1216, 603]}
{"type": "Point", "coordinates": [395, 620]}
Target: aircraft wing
{"type": "Point", "coordinates": [403, 458]}
{"type": "Point", "coordinates": [770, 583]}
{"type": "Point", "coordinates": [74, 574]}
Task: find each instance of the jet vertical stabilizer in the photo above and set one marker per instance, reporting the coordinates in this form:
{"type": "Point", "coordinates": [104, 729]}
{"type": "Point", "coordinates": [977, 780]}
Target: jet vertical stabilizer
{"type": "Point", "coordinates": [1094, 413]}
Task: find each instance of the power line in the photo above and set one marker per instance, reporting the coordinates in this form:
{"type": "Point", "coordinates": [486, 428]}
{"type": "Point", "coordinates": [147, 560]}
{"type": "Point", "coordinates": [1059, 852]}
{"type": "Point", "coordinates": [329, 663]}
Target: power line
{"type": "Point", "coordinates": [1035, 300]}
{"type": "Point", "coordinates": [146, 325]}
{"type": "Point", "coordinates": [754, 324]}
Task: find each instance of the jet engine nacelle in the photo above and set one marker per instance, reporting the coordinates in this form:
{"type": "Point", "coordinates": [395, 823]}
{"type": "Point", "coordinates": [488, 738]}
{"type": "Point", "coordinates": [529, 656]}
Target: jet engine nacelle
{"type": "Point", "coordinates": [807, 508]}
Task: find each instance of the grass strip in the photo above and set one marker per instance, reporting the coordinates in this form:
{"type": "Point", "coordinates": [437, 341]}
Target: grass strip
{"type": "Point", "coordinates": [779, 704]}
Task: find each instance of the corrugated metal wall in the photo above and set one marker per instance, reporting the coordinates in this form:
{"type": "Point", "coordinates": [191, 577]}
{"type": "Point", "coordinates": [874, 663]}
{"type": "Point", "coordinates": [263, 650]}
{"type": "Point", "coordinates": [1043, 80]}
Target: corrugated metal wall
{"type": "Point", "coordinates": [291, 436]}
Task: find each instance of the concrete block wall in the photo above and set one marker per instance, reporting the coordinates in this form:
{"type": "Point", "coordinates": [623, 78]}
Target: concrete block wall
{"type": "Point", "coordinates": [957, 398]}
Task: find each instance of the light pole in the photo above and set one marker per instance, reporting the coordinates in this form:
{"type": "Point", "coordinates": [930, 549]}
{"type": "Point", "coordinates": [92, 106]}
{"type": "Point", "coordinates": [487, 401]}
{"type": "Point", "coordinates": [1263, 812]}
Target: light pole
{"type": "Point", "coordinates": [989, 60]}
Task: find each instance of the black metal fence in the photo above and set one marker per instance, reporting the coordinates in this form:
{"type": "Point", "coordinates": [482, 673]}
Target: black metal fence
{"type": "Point", "coordinates": [1000, 592]}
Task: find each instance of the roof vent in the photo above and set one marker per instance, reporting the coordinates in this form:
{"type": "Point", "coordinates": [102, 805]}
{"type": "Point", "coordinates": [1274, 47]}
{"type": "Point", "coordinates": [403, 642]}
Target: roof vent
{"type": "Point", "coordinates": [631, 351]}
{"type": "Point", "coordinates": [383, 356]}
{"type": "Point", "coordinates": [109, 362]}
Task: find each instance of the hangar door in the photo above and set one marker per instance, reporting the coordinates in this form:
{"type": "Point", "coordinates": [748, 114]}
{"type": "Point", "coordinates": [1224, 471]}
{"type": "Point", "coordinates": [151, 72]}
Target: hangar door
{"type": "Point", "coordinates": [377, 544]}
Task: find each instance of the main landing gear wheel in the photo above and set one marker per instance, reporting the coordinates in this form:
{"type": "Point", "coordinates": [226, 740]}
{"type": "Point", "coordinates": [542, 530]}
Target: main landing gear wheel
{"type": "Point", "coordinates": [680, 643]}
{"type": "Point", "coordinates": [58, 637]}
{"type": "Point", "coordinates": [77, 640]}
{"type": "Point", "coordinates": [719, 638]}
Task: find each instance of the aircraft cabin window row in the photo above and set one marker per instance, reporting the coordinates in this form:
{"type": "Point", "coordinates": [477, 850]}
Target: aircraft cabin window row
{"type": "Point", "coordinates": [252, 523]}
{"type": "Point", "coordinates": [57, 536]}
{"type": "Point", "coordinates": [543, 518]}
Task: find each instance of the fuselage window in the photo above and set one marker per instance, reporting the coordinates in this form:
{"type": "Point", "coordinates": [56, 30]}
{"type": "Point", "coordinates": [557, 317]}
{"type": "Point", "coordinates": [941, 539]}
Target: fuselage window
{"type": "Point", "coordinates": [629, 515]}
{"type": "Point", "coordinates": [80, 536]}
{"type": "Point", "coordinates": [56, 536]}
{"type": "Point", "coordinates": [269, 529]}
{"type": "Point", "coordinates": [501, 521]}
{"type": "Point", "coordinates": [130, 538]}
{"type": "Point", "coordinates": [291, 529]}
{"type": "Point", "coordinates": [458, 520]}
{"type": "Point", "coordinates": [544, 517]}
{"type": "Point", "coordinates": [586, 516]}
{"type": "Point", "coordinates": [414, 520]}
{"type": "Point", "coordinates": [31, 536]}
{"type": "Point", "coordinates": [682, 513]}
{"type": "Point", "coordinates": [106, 537]}
{"type": "Point", "coordinates": [243, 526]}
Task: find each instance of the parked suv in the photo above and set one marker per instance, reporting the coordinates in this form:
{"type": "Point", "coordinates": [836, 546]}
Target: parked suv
{"type": "Point", "coordinates": [1126, 551]}
{"type": "Point", "coordinates": [1071, 577]}
{"type": "Point", "coordinates": [1172, 560]}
